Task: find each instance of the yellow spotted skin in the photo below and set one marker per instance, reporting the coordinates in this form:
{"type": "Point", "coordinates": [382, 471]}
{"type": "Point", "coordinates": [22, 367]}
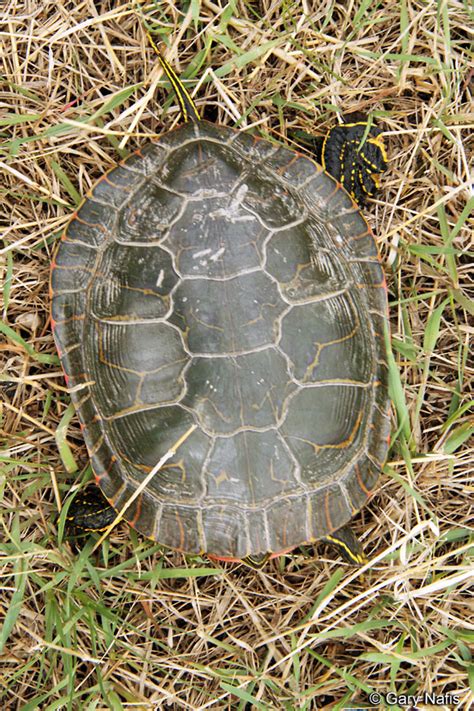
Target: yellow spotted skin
{"type": "Point", "coordinates": [91, 512]}
{"type": "Point", "coordinates": [355, 155]}
{"type": "Point", "coordinates": [218, 281]}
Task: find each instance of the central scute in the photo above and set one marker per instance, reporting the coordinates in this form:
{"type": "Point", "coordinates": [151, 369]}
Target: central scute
{"type": "Point", "coordinates": [229, 308]}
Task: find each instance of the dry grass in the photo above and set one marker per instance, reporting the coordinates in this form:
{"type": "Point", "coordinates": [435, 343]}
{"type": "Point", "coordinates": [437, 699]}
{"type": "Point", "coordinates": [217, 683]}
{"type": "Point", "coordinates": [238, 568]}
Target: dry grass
{"type": "Point", "coordinates": [137, 628]}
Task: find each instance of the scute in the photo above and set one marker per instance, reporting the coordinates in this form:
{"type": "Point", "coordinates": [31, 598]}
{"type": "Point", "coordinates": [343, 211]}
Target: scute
{"type": "Point", "coordinates": [128, 377]}
{"type": "Point", "coordinates": [143, 437]}
{"type": "Point", "coordinates": [247, 391]}
{"type": "Point", "coordinates": [201, 169]}
{"type": "Point", "coordinates": [228, 317]}
{"type": "Point", "coordinates": [233, 460]}
{"type": "Point", "coordinates": [325, 429]}
{"type": "Point", "coordinates": [219, 241]}
{"type": "Point", "coordinates": [138, 284]}
{"type": "Point", "coordinates": [147, 217]}
{"type": "Point", "coordinates": [231, 285]}
{"type": "Point", "coordinates": [336, 349]}
{"type": "Point", "coordinates": [304, 270]}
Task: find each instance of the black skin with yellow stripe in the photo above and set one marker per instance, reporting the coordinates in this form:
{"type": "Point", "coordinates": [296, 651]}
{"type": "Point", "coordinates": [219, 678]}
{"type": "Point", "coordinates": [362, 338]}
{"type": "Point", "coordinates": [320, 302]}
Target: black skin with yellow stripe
{"type": "Point", "coordinates": [352, 152]}
{"type": "Point", "coordinates": [189, 111]}
{"type": "Point", "coordinates": [354, 156]}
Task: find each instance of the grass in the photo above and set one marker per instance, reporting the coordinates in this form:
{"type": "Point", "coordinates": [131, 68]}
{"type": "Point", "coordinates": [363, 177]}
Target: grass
{"type": "Point", "coordinates": [130, 626]}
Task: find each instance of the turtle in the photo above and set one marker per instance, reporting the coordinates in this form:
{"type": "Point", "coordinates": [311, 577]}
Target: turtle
{"type": "Point", "coordinates": [217, 284]}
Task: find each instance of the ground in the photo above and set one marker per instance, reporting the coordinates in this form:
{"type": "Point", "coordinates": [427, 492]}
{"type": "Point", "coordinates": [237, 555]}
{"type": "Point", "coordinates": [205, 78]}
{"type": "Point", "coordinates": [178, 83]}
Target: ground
{"type": "Point", "coordinates": [130, 625]}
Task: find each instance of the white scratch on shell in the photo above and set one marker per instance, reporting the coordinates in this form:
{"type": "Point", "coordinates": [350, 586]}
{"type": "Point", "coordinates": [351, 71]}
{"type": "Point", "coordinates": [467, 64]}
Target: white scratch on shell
{"type": "Point", "coordinates": [217, 254]}
{"type": "Point", "coordinates": [201, 253]}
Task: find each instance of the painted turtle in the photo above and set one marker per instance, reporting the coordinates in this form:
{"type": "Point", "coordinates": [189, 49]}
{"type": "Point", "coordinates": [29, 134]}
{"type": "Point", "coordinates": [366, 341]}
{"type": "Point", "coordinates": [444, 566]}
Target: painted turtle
{"type": "Point", "coordinates": [218, 280]}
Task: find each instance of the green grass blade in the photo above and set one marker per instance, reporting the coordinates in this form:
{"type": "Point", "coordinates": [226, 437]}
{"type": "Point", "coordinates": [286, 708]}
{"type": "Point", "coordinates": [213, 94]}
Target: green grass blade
{"type": "Point", "coordinates": [7, 283]}
{"type": "Point", "coordinates": [244, 696]}
{"type": "Point", "coordinates": [14, 608]}
{"type": "Point", "coordinates": [65, 451]}
{"type": "Point", "coordinates": [66, 183]}
{"type": "Point", "coordinates": [15, 337]}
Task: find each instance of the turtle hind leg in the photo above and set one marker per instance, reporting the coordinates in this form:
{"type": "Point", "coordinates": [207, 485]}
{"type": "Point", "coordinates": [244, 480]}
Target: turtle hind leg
{"type": "Point", "coordinates": [348, 545]}
{"type": "Point", "coordinates": [90, 511]}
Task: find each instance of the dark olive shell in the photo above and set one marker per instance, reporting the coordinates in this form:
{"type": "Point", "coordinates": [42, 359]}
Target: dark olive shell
{"type": "Point", "coordinates": [216, 279]}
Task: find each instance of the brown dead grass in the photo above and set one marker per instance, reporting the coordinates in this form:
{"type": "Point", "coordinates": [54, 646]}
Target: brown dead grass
{"type": "Point", "coordinates": [118, 630]}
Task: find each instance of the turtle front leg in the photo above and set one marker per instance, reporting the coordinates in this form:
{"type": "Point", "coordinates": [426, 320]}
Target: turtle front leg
{"type": "Point", "coordinates": [355, 155]}
{"type": "Point", "coordinates": [352, 153]}
{"type": "Point", "coordinates": [348, 545]}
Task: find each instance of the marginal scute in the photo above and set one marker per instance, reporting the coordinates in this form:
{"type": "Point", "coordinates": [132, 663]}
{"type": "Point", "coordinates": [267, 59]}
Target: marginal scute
{"type": "Point", "coordinates": [93, 215]}
{"type": "Point", "coordinates": [379, 324]}
{"type": "Point", "coordinates": [109, 470]}
{"type": "Point", "coordinates": [381, 385]}
{"type": "Point", "coordinates": [328, 506]}
{"type": "Point", "coordinates": [86, 234]}
{"type": "Point", "coordinates": [356, 237]}
{"type": "Point", "coordinates": [227, 534]}
{"type": "Point", "coordinates": [288, 522]}
{"type": "Point", "coordinates": [293, 168]}
{"type": "Point", "coordinates": [72, 360]}
{"type": "Point", "coordinates": [369, 274]}
{"type": "Point", "coordinates": [74, 267]}
{"type": "Point", "coordinates": [122, 179]}
{"type": "Point", "coordinates": [340, 203]}
{"type": "Point", "coordinates": [75, 256]}
{"type": "Point", "coordinates": [69, 279]}
{"type": "Point", "coordinates": [317, 192]}
{"type": "Point", "coordinates": [146, 161]}
{"type": "Point", "coordinates": [68, 306]}
{"type": "Point", "coordinates": [208, 130]}
{"type": "Point", "coordinates": [123, 497]}
{"type": "Point", "coordinates": [379, 436]}
{"type": "Point", "coordinates": [255, 150]}
{"type": "Point", "coordinates": [179, 528]}
{"type": "Point", "coordinates": [113, 190]}
{"type": "Point", "coordinates": [358, 483]}
{"type": "Point", "coordinates": [177, 137]}
{"type": "Point", "coordinates": [351, 233]}
{"type": "Point", "coordinates": [68, 328]}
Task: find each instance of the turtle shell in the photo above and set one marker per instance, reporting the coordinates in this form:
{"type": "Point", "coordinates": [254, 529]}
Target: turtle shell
{"type": "Point", "coordinates": [216, 279]}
